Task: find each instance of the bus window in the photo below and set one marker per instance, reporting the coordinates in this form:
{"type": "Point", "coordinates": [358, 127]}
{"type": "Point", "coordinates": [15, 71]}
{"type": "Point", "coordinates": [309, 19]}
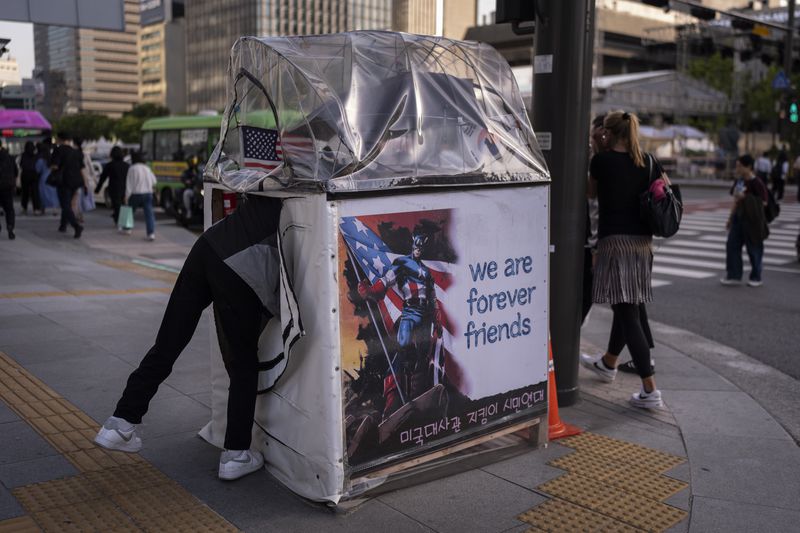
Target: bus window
{"type": "Point", "coordinates": [168, 146]}
{"type": "Point", "coordinates": [194, 143]}
{"type": "Point", "coordinates": [147, 144]}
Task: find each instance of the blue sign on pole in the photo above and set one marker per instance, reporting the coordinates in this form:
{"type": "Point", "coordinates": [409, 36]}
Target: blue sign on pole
{"type": "Point", "coordinates": [781, 81]}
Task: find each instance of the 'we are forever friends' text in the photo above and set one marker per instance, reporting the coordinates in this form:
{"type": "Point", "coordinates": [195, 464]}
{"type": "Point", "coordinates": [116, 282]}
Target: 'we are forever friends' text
{"type": "Point", "coordinates": [482, 302]}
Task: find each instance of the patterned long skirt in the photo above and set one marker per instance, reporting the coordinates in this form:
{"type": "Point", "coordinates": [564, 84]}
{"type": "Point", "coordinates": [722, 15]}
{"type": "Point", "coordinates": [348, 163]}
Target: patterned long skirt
{"type": "Point", "coordinates": [622, 269]}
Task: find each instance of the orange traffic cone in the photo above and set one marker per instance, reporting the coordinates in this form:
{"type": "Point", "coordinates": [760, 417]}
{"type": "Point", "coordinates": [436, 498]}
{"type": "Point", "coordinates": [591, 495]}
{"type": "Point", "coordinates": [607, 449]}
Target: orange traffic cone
{"type": "Point", "coordinates": [557, 429]}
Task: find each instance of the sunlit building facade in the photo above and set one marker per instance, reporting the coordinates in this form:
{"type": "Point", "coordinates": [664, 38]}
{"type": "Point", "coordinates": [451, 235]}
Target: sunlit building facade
{"type": "Point", "coordinates": [212, 26]}
{"type": "Point", "coordinates": [87, 70]}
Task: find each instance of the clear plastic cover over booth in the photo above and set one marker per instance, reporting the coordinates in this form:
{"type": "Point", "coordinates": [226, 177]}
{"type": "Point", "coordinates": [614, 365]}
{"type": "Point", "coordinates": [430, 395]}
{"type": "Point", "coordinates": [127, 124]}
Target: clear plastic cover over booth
{"type": "Point", "coordinates": [370, 110]}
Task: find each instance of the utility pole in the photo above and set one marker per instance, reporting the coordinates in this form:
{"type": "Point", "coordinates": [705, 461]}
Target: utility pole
{"type": "Point", "coordinates": [562, 81]}
{"type": "Point", "coordinates": [787, 55]}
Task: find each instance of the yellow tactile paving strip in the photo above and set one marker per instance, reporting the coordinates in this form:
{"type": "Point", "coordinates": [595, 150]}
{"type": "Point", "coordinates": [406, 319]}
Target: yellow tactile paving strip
{"type": "Point", "coordinates": [152, 273]}
{"type": "Point", "coordinates": [91, 292]}
{"type": "Point", "coordinates": [113, 491]}
{"type": "Point", "coordinates": [610, 485]}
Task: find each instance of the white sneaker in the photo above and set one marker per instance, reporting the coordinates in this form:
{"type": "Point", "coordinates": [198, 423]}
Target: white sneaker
{"type": "Point", "coordinates": [646, 400]}
{"type": "Point", "coordinates": [754, 283]}
{"type": "Point", "coordinates": [730, 282]}
{"type": "Point", "coordinates": [118, 434]}
{"type": "Point", "coordinates": [234, 464]}
{"type": "Point", "coordinates": [151, 237]}
{"type": "Point", "coordinates": [596, 365]}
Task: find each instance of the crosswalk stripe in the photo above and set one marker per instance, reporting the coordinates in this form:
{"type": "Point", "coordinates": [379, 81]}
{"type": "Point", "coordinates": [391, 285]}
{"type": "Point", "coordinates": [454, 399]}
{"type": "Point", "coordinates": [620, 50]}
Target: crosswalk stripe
{"type": "Point", "coordinates": [778, 240]}
{"type": "Point", "coordinates": [681, 272]}
{"type": "Point", "coordinates": [719, 244]}
{"type": "Point", "coordinates": [660, 282]}
{"type": "Point", "coordinates": [713, 254]}
{"type": "Point", "coordinates": [682, 261]}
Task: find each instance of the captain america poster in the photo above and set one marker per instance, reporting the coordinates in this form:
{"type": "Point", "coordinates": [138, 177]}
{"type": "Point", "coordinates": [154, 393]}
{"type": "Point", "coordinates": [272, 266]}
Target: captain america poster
{"type": "Point", "coordinates": [443, 320]}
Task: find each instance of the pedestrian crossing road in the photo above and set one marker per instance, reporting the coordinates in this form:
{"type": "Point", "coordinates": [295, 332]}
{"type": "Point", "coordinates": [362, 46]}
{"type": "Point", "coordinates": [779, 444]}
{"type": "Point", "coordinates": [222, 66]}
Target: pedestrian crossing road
{"type": "Point", "coordinates": [698, 249]}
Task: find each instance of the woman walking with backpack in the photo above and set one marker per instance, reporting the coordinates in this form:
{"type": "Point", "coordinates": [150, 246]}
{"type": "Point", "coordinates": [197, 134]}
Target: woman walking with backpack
{"type": "Point", "coordinates": [624, 258]}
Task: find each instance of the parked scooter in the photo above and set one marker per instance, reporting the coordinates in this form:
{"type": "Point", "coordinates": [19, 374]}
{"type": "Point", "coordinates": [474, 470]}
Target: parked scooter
{"type": "Point", "coordinates": [188, 206]}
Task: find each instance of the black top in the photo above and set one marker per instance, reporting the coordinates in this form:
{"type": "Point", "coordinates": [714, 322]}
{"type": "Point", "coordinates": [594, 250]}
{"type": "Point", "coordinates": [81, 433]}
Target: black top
{"type": "Point", "coordinates": [69, 161]}
{"type": "Point", "coordinates": [116, 171]}
{"type": "Point", "coordinates": [619, 184]}
{"type": "Point", "coordinates": [255, 221]}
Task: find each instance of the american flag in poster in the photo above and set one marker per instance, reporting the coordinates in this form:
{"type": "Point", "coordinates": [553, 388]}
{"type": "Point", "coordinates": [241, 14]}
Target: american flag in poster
{"type": "Point", "coordinates": [374, 258]}
{"type": "Point", "coordinates": [261, 148]}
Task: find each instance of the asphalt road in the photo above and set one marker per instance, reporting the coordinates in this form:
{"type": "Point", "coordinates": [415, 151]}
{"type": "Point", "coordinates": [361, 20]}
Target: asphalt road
{"type": "Point", "coordinates": [763, 322]}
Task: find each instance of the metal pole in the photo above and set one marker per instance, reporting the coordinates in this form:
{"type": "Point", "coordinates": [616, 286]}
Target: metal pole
{"type": "Point", "coordinates": [787, 54]}
{"type": "Point", "coordinates": [561, 105]}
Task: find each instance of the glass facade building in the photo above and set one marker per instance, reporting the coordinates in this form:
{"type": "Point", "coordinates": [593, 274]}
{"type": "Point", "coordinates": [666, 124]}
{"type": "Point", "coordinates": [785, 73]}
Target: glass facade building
{"type": "Point", "coordinates": [87, 70]}
{"type": "Point", "coordinates": [212, 26]}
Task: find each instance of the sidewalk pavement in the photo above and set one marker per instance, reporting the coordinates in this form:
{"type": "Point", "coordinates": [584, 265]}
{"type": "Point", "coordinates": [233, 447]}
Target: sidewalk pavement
{"type": "Point", "coordinates": [76, 316]}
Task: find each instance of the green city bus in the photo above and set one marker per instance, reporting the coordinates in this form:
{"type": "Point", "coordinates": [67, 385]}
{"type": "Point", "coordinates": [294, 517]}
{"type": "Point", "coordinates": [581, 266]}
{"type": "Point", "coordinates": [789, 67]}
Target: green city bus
{"type": "Point", "coordinates": [169, 141]}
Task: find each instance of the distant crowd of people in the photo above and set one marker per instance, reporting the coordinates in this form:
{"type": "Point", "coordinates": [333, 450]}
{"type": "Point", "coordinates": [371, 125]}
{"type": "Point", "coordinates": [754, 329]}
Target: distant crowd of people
{"type": "Point", "coordinates": [57, 179]}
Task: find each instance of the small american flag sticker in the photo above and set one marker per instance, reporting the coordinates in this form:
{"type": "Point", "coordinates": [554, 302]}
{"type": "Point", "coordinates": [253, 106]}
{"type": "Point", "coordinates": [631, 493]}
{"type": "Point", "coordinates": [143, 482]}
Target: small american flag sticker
{"type": "Point", "coordinates": [261, 148]}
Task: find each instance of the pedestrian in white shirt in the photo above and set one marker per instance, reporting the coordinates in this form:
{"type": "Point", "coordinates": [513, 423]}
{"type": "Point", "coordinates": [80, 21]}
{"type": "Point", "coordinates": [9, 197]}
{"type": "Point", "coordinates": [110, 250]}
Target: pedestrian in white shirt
{"type": "Point", "coordinates": [139, 192]}
{"type": "Point", "coordinates": [763, 167]}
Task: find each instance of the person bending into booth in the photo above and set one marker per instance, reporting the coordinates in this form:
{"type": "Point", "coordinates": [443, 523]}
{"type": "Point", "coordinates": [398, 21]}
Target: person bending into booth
{"type": "Point", "coordinates": [420, 307]}
{"type": "Point", "coordinates": [234, 265]}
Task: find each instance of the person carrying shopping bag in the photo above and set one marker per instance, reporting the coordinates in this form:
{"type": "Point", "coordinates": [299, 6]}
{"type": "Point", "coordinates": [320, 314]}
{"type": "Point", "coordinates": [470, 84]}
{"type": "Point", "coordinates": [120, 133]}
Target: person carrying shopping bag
{"type": "Point", "coordinates": [139, 185]}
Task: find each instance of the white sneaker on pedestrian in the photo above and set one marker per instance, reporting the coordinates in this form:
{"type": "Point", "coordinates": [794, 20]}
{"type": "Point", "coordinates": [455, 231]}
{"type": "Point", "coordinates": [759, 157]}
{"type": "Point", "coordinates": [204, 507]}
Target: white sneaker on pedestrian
{"type": "Point", "coordinates": [730, 282]}
{"type": "Point", "coordinates": [234, 464]}
{"type": "Point", "coordinates": [646, 400]}
{"type": "Point", "coordinates": [118, 434]}
{"type": "Point", "coordinates": [754, 283]}
{"type": "Point", "coordinates": [596, 365]}
{"type": "Point", "coordinates": [151, 237]}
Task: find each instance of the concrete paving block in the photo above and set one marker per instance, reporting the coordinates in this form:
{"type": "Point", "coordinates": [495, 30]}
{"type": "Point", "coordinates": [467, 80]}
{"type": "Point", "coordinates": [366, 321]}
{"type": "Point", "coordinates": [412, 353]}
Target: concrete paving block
{"type": "Point", "coordinates": [373, 515]}
{"type": "Point", "coordinates": [682, 373]}
{"type": "Point", "coordinates": [722, 412]}
{"type": "Point", "coordinates": [681, 500]}
{"type": "Point", "coordinates": [29, 319]}
{"type": "Point", "coordinates": [9, 507]}
{"type": "Point", "coordinates": [192, 372]}
{"type": "Point", "coordinates": [752, 470]}
{"type": "Point", "coordinates": [530, 469]}
{"type": "Point", "coordinates": [62, 303]}
{"type": "Point", "coordinates": [13, 308]}
{"type": "Point", "coordinates": [466, 502]}
{"type": "Point", "coordinates": [19, 442]}
{"type": "Point", "coordinates": [682, 472]}
{"type": "Point", "coordinates": [43, 351]}
{"type": "Point", "coordinates": [643, 435]}
{"type": "Point", "coordinates": [22, 335]}
{"type": "Point", "coordinates": [36, 470]}
{"type": "Point", "coordinates": [6, 414]}
{"type": "Point", "coordinates": [177, 414]}
{"type": "Point", "coordinates": [203, 397]}
{"type": "Point", "coordinates": [710, 515]}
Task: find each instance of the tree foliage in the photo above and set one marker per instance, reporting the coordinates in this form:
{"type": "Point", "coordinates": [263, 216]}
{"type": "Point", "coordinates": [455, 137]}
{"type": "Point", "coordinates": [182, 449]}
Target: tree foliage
{"type": "Point", "coordinates": [128, 128]}
{"type": "Point", "coordinates": [88, 126]}
{"type": "Point", "coordinates": [92, 126]}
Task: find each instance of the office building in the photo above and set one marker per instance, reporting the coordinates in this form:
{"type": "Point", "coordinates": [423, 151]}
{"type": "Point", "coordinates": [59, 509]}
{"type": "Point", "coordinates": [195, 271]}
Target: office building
{"type": "Point", "coordinates": [9, 71]}
{"type": "Point", "coordinates": [162, 55]}
{"type": "Point", "coordinates": [448, 18]}
{"type": "Point", "coordinates": [212, 26]}
{"type": "Point", "coordinates": [88, 70]}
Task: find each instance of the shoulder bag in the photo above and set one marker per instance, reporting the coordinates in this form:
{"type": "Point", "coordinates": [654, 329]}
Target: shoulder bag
{"type": "Point", "coordinates": [661, 212]}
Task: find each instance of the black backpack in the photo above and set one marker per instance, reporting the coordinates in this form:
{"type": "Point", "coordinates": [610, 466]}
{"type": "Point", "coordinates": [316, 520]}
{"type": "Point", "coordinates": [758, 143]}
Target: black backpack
{"type": "Point", "coordinates": [772, 209]}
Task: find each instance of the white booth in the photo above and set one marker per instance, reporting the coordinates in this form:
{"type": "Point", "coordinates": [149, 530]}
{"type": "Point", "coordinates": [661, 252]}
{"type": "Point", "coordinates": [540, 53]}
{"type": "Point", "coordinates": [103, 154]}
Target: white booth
{"type": "Point", "coordinates": [414, 252]}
